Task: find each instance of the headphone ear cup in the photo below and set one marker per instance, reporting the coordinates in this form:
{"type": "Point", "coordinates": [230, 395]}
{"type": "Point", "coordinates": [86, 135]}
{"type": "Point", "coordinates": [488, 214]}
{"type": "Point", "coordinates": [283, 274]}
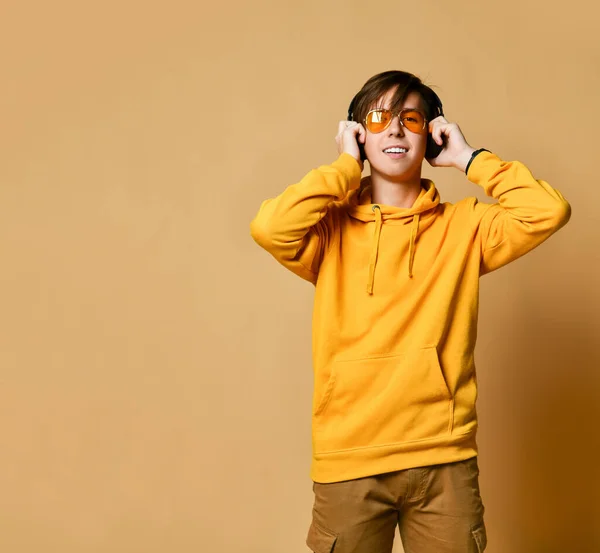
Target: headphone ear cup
{"type": "Point", "coordinates": [361, 147]}
{"type": "Point", "coordinates": [433, 149]}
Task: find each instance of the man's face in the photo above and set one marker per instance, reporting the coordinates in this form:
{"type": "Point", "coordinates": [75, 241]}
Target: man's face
{"type": "Point", "coordinates": [394, 165]}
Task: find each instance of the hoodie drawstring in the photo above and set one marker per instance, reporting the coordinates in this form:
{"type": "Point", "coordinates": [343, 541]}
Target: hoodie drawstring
{"type": "Point", "coordinates": [373, 261]}
{"type": "Point", "coordinates": [411, 250]}
{"type": "Point", "coordinates": [414, 230]}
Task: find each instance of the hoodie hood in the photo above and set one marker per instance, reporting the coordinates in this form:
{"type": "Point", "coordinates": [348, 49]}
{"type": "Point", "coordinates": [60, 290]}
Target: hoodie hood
{"type": "Point", "coordinates": [360, 207]}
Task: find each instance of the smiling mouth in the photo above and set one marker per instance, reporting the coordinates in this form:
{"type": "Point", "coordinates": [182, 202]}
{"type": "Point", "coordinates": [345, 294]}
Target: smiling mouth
{"type": "Point", "coordinates": [396, 153]}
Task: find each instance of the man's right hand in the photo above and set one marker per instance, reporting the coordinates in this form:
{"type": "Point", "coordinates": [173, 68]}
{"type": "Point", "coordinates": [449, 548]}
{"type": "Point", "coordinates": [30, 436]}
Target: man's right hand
{"type": "Point", "coordinates": [349, 134]}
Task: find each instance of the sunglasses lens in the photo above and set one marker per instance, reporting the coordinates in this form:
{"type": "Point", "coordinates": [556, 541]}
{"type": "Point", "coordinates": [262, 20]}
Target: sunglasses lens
{"type": "Point", "coordinates": [378, 120]}
{"type": "Point", "coordinates": [413, 120]}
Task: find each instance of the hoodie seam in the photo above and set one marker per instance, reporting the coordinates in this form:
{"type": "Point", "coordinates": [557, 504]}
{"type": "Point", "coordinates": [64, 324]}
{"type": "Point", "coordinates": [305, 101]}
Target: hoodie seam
{"type": "Point", "coordinates": [323, 213]}
{"type": "Point", "coordinates": [311, 272]}
{"type": "Point", "coordinates": [335, 230]}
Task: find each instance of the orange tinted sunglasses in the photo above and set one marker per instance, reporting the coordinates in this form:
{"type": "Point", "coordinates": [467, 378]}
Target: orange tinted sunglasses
{"type": "Point", "coordinates": [377, 120]}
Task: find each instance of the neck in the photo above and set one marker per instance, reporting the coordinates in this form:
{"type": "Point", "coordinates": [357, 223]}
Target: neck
{"type": "Point", "coordinates": [397, 192]}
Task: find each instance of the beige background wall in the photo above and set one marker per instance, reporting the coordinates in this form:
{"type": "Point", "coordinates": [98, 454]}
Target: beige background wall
{"type": "Point", "coordinates": [155, 378]}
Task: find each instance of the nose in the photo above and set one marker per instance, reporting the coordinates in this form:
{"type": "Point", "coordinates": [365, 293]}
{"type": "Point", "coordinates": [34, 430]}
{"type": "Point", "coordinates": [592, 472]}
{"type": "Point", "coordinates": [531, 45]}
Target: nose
{"type": "Point", "coordinates": [395, 128]}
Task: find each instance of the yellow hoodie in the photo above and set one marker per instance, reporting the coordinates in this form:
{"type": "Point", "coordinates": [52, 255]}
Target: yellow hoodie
{"type": "Point", "coordinates": [395, 308]}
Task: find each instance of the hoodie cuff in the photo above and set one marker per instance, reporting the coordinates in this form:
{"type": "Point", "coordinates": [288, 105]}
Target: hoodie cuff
{"type": "Point", "coordinates": [349, 167]}
{"type": "Point", "coordinates": [482, 166]}
{"type": "Point", "coordinates": [473, 156]}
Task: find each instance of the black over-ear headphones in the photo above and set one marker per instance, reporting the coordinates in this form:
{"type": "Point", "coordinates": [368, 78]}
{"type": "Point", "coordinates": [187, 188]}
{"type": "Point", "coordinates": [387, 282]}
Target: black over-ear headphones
{"type": "Point", "coordinates": [433, 149]}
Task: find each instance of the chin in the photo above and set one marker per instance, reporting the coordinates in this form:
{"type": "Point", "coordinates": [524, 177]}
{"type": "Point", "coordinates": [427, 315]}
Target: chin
{"type": "Point", "coordinates": [396, 169]}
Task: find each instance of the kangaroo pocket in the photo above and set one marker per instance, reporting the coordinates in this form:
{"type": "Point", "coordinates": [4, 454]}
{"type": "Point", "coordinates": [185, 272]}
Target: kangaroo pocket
{"type": "Point", "coordinates": [383, 400]}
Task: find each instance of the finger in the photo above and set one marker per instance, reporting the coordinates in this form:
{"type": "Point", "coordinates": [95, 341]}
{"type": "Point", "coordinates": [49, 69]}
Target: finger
{"type": "Point", "coordinates": [362, 134]}
{"type": "Point", "coordinates": [439, 135]}
{"type": "Point", "coordinates": [346, 125]}
{"type": "Point", "coordinates": [357, 131]}
{"type": "Point", "coordinates": [440, 130]}
{"type": "Point", "coordinates": [434, 130]}
{"type": "Point", "coordinates": [440, 119]}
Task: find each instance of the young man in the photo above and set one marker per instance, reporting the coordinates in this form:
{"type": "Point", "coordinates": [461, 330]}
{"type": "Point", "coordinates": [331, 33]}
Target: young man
{"type": "Point", "coordinates": [396, 275]}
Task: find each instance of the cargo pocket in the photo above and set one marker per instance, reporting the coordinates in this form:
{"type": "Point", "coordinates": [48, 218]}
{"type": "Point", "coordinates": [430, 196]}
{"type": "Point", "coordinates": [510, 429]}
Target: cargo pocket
{"type": "Point", "coordinates": [480, 537]}
{"type": "Point", "coordinates": [320, 540]}
{"type": "Point", "coordinates": [383, 400]}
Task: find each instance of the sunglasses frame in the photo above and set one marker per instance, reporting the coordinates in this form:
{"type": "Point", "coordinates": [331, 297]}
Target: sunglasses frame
{"type": "Point", "coordinates": [425, 120]}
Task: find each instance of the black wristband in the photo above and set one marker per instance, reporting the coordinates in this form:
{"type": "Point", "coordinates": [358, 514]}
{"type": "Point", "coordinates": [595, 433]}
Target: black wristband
{"type": "Point", "coordinates": [473, 155]}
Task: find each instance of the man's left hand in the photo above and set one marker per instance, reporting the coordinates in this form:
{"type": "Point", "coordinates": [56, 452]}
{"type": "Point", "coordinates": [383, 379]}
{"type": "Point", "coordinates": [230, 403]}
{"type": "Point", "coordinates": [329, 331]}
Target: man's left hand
{"type": "Point", "coordinates": [456, 152]}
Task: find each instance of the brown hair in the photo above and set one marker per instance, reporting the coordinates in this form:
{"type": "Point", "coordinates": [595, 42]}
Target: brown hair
{"type": "Point", "coordinates": [377, 86]}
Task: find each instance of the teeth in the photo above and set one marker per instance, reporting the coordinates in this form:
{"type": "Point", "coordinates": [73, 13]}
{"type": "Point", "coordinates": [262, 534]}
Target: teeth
{"type": "Point", "coordinates": [395, 150]}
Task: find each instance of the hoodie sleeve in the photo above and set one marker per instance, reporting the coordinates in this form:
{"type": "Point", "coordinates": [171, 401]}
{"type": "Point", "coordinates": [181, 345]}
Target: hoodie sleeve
{"type": "Point", "coordinates": [295, 227]}
{"type": "Point", "coordinates": [528, 211]}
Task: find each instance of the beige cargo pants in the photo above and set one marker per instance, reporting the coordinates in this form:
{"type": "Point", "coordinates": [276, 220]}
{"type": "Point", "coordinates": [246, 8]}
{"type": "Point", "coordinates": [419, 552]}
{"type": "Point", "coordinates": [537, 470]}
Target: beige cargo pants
{"type": "Point", "coordinates": [438, 509]}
